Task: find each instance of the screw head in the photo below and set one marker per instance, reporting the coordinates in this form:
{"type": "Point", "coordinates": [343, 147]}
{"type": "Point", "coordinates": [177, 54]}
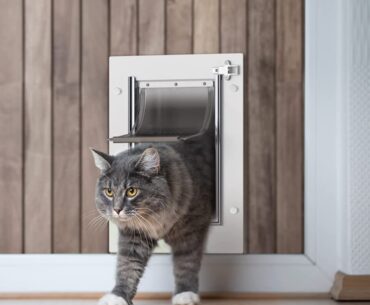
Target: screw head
{"type": "Point", "coordinates": [234, 88]}
{"type": "Point", "coordinates": [117, 91]}
{"type": "Point", "coordinates": [234, 210]}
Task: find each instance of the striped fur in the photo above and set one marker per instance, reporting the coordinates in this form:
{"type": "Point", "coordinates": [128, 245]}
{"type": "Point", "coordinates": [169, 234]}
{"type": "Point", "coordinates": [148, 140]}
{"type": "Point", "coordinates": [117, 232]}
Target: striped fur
{"type": "Point", "coordinates": [174, 202]}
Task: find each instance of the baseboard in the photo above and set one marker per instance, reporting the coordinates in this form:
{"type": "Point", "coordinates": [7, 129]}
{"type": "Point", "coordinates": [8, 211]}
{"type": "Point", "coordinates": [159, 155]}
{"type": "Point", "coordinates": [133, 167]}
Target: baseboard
{"type": "Point", "coordinates": [162, 296]}
{"type": "Point", "coordinates": [351, 287]}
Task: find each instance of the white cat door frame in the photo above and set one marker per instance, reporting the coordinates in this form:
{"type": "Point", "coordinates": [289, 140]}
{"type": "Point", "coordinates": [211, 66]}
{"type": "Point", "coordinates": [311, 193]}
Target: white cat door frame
{"type": "Point", "coordinates": [225, 72]}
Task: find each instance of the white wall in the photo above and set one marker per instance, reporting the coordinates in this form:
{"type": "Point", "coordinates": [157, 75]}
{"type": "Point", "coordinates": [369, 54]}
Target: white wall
{"type": "Point", "coordinates": [356, 136]}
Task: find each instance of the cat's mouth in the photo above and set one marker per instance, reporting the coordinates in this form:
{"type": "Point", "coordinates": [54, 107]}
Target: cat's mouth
{"type": "Point", "coordinates": [122, 217]}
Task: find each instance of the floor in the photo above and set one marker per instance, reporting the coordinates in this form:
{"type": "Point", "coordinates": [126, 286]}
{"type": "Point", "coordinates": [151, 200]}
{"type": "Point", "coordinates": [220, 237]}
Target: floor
{"type": "Point", "coordinates": [167, 302]}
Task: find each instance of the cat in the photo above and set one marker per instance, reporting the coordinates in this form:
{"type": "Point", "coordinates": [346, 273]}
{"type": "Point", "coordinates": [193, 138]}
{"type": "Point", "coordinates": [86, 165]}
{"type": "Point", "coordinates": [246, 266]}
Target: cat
{"type": "Point", "coordinates": [152, 192]}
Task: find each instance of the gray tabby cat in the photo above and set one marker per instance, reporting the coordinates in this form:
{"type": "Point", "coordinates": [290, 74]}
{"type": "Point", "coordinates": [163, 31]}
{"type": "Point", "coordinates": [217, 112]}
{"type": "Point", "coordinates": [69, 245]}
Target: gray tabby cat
{"type": "Point", "coordinates": [152, 192]}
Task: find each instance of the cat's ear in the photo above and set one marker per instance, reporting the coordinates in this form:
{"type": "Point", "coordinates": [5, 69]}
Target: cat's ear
{"type": "Point", "coordinates": [149, 162]}
{"type": "Point", "coordinates": [102, 160]}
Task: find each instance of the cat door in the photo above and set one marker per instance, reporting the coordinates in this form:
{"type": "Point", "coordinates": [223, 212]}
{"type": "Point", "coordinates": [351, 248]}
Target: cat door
{"type": "Point", "coordinates": [167, 99]}
{"type": "Point", "coordinates": [164, 111]}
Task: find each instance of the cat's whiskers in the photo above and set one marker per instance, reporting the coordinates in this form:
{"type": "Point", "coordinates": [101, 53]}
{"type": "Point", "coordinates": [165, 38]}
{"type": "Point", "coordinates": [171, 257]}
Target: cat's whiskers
{"type": "Point", "coordinates": [164, 204]}
{"type": "Point", "coordinates": [152, 217]}
{"type": "Point", "coordinates": [87, 215]}
{"type": "Point", "coordinates": [147, 209]}
{"type": "Point", "coordinates": [97, 223]}
{"type": "Point", "coordinates": [150, 210]}
{"type": "Point", "coordinates": [160, 225]}
{"type": "Point", "coordinates": [100, 223]}
{"type": "Point", "coordinates": [93, 220]}
{"type": "Point", "coordinates": [151, 229]}
{"type": "Point", "coordinates": [141, 230]}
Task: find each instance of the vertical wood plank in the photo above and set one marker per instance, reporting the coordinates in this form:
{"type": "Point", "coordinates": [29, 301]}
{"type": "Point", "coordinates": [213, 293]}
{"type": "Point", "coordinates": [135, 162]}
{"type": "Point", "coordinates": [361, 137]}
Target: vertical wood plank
{"type": "Point", "coordinates": [37, 126]}
{"type": "Point", "coordinates": [275, 117]}
{"type": "Point", "coordinates": [206, 26]}
{"type": "Point", "coordinates": [151, 27]}
{"type": "Point", "coordinates": [123, 27]}
{"type": "Point", "coordinates": [179, 27]}
{"type": "Point", "coordinates": [234, 26]}
{"type": "Point", "coordinates": [289, 124]}
{"type": "Point", "coordinates": [234, 40]}
{"type": "Point", "coordinates": [11, 134]}
{"type": "Point", "coordinates": [94, 97]}
{"type": "Point", "coordinates": [66, 126]}
{"type": "Point", "coordinates": [261, 98]}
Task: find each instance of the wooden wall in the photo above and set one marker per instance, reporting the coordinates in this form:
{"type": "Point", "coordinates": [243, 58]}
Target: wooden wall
{"type": "Point", "coordinates": [53, 106]}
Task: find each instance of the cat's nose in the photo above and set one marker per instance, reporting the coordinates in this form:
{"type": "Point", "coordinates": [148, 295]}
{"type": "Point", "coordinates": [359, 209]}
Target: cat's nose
{"type": "Point", "coordinates": [117, 210]}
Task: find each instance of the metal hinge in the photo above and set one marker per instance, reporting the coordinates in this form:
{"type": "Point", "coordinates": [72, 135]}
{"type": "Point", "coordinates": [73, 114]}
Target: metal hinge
{"type": "Point", "coordinates": [227, 70]}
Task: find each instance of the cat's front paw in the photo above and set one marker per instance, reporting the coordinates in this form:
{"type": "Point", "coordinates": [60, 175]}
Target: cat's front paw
{"type": "Point", "coordinates": [186, 298]}
{"type": "Point", "coordinates": [112, 299]}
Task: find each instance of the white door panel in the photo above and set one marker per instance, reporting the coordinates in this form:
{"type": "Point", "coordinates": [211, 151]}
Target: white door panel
{"type": "Point", "coordinates": [227, 233]}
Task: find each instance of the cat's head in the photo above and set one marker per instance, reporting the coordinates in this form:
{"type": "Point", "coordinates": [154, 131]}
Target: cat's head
{"type": "Point", "coordinates": [130, 190]}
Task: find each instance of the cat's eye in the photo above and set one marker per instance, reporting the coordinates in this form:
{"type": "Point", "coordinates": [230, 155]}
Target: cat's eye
{"type": "Point", "coordinates": [131, 192]}
{"type": "Point", "coordinates": [108, 192]}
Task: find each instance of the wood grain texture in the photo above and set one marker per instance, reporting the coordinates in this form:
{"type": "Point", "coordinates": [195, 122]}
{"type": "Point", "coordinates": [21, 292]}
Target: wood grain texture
{"type": "Point", "coordinates": [289, 126]}
{"type": "Point", "coordinates": [38, 106]}
{"type": "Point", "coordinates": [11, 133]}
{"type": "Point", "coordinates": [179, 28]}
{"type": "Point", "coordinates": [206, 26]}
{"type": "Point", "coordinates": [151, 27]}
{"type": "Point", "coordinates": [123, 27]}
{"type": "Point", "coordinates": [65, 109]}
{"type": "Point", "coordinates": [261, 98]}
{"type": "Point", "coordinates": [94, 95]}
{"type": "Point", "coordinates": [347, 287]}
{"type": "Point", "coordinates": [234, 26]}
{"type": "Point", "coordinates": [66, 126]}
